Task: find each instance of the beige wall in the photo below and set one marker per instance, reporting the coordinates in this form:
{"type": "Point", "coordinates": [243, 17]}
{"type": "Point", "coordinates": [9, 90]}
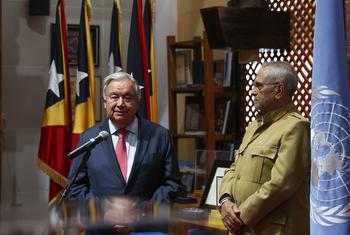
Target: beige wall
{"type": "Point", "coordinates": [189, 22]}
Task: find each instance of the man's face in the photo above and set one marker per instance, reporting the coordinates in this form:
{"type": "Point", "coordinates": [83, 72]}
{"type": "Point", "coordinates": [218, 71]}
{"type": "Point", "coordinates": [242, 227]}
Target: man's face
{"type": "Point", "coordinates": [264, 91]}
{"type": "Point", "coordinates": [121, 102]}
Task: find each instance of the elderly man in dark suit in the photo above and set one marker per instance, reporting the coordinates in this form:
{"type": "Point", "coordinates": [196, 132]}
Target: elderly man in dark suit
{"type": "Point", "coordinates": [138, 159]}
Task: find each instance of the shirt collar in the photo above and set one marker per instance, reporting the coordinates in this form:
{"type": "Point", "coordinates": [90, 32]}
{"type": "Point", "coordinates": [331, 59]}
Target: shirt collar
{"type": "Point", "coordinates": [274, 115]}
{"type": "Point", "coordinates": [133, 127]}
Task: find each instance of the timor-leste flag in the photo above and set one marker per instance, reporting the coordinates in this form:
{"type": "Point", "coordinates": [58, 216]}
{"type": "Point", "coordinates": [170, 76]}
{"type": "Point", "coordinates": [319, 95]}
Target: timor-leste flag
{"type": "Point", "coordinates": [114, 59]}
{"type": "Point", "coordinates": [137, 63]}
{"type": "Point", "coordinates": [84, 116]}
{"type": "Point", "coordinates": [148, 14]}
{"type": "Point", "coordinates": [56, 130]}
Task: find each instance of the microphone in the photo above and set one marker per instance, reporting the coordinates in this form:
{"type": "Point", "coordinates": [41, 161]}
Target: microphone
{"type": "Point", "coordinates": [88, 145]}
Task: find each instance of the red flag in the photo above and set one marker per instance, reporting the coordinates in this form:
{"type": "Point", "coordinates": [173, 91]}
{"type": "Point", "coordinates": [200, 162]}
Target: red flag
{"type": "Point", "coordinates": [84, 117]}
{"type": "Point", "coordinates": [56, 127]}
{"type": "Point", "coordinates": [137, 57]}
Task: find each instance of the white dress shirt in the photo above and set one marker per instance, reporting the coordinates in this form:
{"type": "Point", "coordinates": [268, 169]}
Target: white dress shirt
{"type": "Point", "coordinates": [130, 141]}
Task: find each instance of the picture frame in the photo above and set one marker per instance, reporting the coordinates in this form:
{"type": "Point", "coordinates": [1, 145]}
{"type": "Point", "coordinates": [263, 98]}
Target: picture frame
{"type": "Point", "coordinates": [98, 97]}
{"type": "Point", "coordinates": [73, 42]}
{"type": "Point", "coordinates": [211, 195]}
{"type": "Point", "coordinates": [183, 60]}
{"type": "Point", "coordinates": [194, 115]}
{"type": "Point", "coordinates": [219, 70]}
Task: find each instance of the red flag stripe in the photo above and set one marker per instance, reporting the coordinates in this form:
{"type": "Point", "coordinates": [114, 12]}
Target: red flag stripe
{"type": "Point", "coordinates": [144, 58]}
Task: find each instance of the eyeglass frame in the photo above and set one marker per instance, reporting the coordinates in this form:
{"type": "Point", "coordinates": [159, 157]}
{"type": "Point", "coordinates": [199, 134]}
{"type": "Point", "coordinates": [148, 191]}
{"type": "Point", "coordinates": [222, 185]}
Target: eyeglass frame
{"type": "Point", "coordinates": [126, 99]}
{"type": "Point", "coordinates": [261, 85]}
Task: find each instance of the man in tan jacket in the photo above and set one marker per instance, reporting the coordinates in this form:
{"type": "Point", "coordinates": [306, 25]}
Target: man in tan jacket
{"type": "Point", "coordinates": [266, 190]}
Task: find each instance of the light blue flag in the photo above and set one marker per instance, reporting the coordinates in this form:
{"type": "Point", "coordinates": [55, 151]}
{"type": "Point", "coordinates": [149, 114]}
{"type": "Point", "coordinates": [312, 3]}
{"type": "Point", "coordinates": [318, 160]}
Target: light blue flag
{"type": "Point", "coordinates": [330, 124]}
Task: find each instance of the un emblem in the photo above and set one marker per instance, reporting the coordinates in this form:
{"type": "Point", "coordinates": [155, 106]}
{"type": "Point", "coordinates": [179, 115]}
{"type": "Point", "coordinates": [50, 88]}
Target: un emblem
{"type": "Point", "coordinates": [330, 154]}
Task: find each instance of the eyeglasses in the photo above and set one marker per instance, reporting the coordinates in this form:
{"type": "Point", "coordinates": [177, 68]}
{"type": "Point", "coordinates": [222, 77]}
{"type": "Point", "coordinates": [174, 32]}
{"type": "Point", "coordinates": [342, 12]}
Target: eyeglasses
{"type": "Point", "coordinates": [260, 85]}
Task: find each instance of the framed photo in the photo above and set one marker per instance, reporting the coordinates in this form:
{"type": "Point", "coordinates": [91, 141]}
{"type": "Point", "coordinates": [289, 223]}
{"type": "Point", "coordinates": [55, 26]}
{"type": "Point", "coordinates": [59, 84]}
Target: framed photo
{"type": "Point", "coordinates": [183, 68]}
{"type": "Point", "coordinates": [98, 96]}
{"type": "Point", "coordinates": [73, 42]}
{"type": "Point", "coordinates": [194, 115]}
{"type": "Point", "coordinates": [219, 69]}
{"type": "Point", "coordinates": [211, 193]}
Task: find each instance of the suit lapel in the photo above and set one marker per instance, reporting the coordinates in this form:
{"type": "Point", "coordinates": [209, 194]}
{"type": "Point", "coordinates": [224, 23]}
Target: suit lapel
{"type": "Point", "coordinates": [108, 151]}
{"type": "Point", "coordinates": [142, 143]}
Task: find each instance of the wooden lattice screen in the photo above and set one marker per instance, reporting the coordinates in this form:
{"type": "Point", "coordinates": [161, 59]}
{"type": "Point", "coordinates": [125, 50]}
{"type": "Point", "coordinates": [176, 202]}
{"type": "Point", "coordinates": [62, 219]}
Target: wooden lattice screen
{"type": "Point", "coordinates": [302, 14]}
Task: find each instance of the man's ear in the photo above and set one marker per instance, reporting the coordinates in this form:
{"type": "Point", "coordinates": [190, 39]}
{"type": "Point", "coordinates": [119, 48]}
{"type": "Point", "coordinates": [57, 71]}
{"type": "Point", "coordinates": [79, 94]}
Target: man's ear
{"type": "Point", "coordinates": [280, 91]}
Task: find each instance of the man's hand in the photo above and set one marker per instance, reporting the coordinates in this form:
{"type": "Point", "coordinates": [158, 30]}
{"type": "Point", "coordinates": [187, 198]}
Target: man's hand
{"type": "Point", "coordinates": [230, 216]}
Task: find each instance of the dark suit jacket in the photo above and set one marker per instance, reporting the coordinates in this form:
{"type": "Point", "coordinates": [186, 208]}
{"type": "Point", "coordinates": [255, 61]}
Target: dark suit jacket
{"type": "Point", "coordinates": [154, 175]}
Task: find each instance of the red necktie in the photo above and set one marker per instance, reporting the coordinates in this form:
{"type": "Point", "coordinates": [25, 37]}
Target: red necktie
{"type": "Point", "coordinates": [120, 150]}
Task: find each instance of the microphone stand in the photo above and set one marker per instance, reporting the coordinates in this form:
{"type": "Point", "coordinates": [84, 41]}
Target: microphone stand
{"type": "Point", "coordinates": [70, 184]}
{"type": "Point", "coordinates": [67, 188]}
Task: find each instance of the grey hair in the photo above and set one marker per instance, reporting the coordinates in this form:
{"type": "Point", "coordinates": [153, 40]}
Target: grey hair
{"type": "Point", "coordinates": [121, 76]}
{"type": "Point", "coordinates": [283, 72]}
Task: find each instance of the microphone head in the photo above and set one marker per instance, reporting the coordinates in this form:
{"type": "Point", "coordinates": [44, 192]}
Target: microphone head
{"type": "Point", "coordinates": [103, 134]}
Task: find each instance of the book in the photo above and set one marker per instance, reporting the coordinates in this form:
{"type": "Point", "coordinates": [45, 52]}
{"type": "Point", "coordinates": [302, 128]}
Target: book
{"type": "Point", "coordinates": [228, 148]}
{"type": "Point", "coordinates": [226, 118]}
{"type": "Point", "coordinates": [222, 114]}
{"type": "Point", "coordinates": [228, 68]}
{"type": "Point", "coordinates": [195, 115]}
{"type": "Point", "coordinates": [198, 72]}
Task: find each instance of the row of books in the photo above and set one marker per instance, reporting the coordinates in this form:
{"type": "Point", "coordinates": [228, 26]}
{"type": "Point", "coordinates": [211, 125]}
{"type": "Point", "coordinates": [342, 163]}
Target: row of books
{"type": "Point", "coordinates": [195, 115]}
{"type": "Point", "coordinates": [190, 72]}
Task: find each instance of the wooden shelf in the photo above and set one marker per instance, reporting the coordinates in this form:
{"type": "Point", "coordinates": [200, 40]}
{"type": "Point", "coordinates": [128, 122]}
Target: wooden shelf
{"type": "Point", "coordinates": [246, 28]}
{"type": "Point", "coordinates": [225, 137]}
{"type": "Point", "coordinates": [192, 44]}
{"type": "Point", "coordinates": [196, 89]}
{"type": "Point", "coordinates": [188, 136]}
{"type": "Point", "coordinates": [209, 90]}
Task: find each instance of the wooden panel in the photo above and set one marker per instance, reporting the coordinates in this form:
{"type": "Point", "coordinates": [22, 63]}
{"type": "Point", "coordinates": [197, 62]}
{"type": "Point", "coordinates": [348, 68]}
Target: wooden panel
{"type": "Point", "coordinates": [246, 28]}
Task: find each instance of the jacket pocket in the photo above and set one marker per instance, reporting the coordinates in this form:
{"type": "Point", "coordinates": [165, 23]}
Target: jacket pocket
{"type": "Point", "coordinates": [259, 161]}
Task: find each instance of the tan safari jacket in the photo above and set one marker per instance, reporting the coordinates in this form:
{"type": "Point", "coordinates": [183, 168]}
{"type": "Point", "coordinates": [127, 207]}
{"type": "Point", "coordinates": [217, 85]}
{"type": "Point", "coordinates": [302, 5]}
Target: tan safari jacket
{"type": "Point", "coordinates": [269, 180]}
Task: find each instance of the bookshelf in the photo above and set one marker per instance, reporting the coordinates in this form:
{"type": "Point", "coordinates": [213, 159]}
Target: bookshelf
{"type": "Point", "coordinates": [209, 135]}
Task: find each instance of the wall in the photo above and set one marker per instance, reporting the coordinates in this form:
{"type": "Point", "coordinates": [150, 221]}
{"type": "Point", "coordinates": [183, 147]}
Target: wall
{"type": "Point", "coordinates": [25, 62]}
{"type": "Point", "coordinates": [190, 24]}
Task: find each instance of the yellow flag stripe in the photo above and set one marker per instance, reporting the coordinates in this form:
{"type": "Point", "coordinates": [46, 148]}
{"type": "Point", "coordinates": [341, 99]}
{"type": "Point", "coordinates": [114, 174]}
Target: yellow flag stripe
{"type": "Point", "coordinates": [154, 97]}
{"type": "Point", "coordinates": [54, 115]}
{"type": "Point", "coordinates": [85, 112]}
{"type": "Point", "coordinates": [91, 68]}
{"type": "Point", "coordinates": [86, 117]}
{"type": "Point", "coordinates": [120, 31]}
